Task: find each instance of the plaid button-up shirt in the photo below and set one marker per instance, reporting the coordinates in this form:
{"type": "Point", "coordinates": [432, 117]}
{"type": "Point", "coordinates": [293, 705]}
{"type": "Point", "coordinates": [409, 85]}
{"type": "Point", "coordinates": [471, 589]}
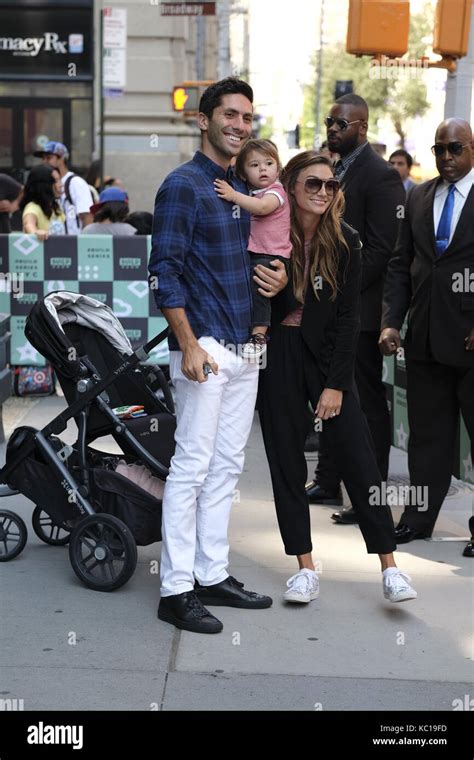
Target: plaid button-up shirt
{"type": "Point", "coordinates": [199, 259]}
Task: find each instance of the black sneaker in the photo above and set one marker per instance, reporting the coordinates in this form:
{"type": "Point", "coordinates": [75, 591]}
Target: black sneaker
{"type": "Point", "coordinates": [231, 593]}
{"type": "Point", "coordinates": [187, 612]}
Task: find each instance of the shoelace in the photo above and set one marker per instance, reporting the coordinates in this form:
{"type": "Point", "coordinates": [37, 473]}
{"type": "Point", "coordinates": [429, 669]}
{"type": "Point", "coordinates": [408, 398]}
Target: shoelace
{"type": "Point", "coordinates": [197, 607]}
{"type": "Point", "coordinates": [300, 582]}
{"type": "Point", "coordinates": [398, 580]}
{"type": "Point", "coordinates": [234, 581]}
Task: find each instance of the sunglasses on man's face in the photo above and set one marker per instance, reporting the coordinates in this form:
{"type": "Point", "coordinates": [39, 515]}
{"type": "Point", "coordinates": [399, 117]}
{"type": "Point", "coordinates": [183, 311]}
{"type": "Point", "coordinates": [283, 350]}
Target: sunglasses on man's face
{"type": "Point", "coordinates": [455, 148]}
{"type": "Point", "coordinates": [314, 185]}
{"type": "Point", "coordinates": [341, 123]}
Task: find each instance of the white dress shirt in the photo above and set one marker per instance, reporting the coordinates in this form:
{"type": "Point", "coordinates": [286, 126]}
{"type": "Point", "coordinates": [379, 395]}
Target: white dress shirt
{"type": "Point", "coordinates": [463, 188]}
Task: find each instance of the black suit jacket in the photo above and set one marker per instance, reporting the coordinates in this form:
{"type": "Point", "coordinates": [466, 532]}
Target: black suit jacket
{"type": "Point", "coordinates": [421, 283]}
{"type": "Point", "coordinates": [330, 329]}
{"type": "Point", "coordinates": [375, 197]}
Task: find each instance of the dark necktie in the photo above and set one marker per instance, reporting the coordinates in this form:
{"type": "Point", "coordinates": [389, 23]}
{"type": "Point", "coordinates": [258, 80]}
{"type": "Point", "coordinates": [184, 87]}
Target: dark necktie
{"type": "Point", "coordinates": [444, 226]}
{"type": "Point", "coordinates": [338, 168]}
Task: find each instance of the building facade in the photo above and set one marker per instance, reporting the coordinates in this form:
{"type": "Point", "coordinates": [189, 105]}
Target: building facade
{"type": "Point", "coordinates": [50, 75]}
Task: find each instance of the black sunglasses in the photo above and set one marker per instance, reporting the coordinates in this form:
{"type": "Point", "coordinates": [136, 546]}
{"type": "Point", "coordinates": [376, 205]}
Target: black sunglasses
{"type": "Point", "coordinates": [314, 185]}
{"type": "Point", "coordinates": [455, 148]}
{"type": "Point", "coordinates": [341, 123]}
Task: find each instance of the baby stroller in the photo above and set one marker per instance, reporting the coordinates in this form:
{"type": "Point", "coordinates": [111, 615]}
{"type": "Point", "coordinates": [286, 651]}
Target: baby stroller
{"type": "Point", "coordinates": [79, 497]}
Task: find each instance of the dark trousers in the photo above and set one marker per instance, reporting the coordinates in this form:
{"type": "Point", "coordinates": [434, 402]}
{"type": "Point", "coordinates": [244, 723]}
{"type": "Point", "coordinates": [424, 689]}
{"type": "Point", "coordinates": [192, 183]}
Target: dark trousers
{"type": "Point", "coordinates": [436, 393]}
{"type": "Point", "coordinates": [262, 307]}
{"type": "Point", "coordinates": [373, 400]}
{"type": "Point", "coordinates": [290, 380]}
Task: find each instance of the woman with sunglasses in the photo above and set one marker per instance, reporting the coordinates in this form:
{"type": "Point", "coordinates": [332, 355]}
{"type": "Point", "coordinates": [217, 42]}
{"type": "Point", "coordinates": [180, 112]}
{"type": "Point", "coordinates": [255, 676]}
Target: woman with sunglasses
{"type": "Point", "coordinates": [310, 358]}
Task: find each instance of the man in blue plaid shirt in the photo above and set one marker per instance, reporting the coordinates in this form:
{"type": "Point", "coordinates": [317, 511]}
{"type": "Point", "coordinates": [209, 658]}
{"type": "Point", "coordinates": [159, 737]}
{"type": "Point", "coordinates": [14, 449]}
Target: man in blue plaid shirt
{"type": "Point", "coordinates": [200, 276]}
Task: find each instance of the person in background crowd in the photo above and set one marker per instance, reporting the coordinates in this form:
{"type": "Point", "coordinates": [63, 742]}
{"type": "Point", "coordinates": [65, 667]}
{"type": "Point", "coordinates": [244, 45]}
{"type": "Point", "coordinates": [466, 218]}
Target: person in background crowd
{"type": "Point", "coordinates": [11, 193]}
{"type": "Point", "coordinates": [76, 198]}
{"type": "Point", "coordinates": [41, 211]}
{"type": "Point", "coordinates": [142, 221]}
{"type": "Point", "coordinates": [110, 214]}
{"type": "Point", "coordinates": [374, 198]}
{"type": "Point", "coordinates": [310, 358]}
{"type": "Point", "coordinates": [93, 180]}
{"type": "Point", "coordinates": [433, 254]}
{"type": "Point", "coordinates": [402, 161]}
{"type": "Point", "coordinates": [324, 151]}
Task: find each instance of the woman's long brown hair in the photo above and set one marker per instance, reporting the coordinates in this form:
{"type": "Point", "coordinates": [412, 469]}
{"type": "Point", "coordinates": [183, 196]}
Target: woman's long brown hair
{"type": "Point", "coordinates": [328, 237]}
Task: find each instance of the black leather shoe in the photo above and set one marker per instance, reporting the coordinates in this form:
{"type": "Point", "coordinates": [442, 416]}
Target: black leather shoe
{"type": "Point", "coordinates": [231, 593]}
{"type": "Point", "coordinates": [318, 495]}
{"type": "Point", "coordinates": [469, 549]}
{"type": "Point", "coordinates": [186, 611]}
{"type": "Point", "coordinates": [345, 516]}
{"type": "Point", "coordinates": [404, 534]}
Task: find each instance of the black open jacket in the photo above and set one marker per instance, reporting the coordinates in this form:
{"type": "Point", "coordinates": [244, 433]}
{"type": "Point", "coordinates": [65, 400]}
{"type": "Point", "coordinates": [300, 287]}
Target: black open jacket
{"type": "Point", "coordinates": [330, 329]}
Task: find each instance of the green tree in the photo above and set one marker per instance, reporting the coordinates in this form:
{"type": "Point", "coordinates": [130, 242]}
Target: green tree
{"type": "Point", "coordinates": [400, 99]}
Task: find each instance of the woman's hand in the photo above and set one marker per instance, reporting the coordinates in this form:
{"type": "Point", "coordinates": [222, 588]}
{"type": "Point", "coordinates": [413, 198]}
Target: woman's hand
{"type": "Point", "coordinates": [41, 234]}
{"type": "Point", "coordinates": [224, 190]}
{"type": "Point", "coordinates": [271, 281]}
{"type": "Point", "coordinates": [469, 341]}
{"type": "Point", "coordinates": [329, 404]}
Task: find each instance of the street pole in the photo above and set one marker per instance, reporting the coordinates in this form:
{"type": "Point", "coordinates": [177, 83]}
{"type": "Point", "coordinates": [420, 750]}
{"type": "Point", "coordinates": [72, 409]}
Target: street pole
{"type": "Point", "coordinates": [200, 42]}
{"type": "Point", "coordinates": [224, 68]}
{"type": "Point", "coordinates": [102, 104]}
{"type": "Point", "coordinates": [319, 74]}
{"type": "Point", "coordinates": [459, 84]}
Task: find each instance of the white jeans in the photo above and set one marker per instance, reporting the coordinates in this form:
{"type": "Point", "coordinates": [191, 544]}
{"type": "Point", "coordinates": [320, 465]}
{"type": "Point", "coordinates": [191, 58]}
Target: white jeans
{"type": "Point", "coordinates": [213, 424]}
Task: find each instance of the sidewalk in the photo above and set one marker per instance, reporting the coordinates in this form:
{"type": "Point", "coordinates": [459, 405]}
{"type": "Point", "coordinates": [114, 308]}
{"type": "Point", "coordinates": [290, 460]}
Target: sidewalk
{"type": "Point", "coordinates": [348, 650]}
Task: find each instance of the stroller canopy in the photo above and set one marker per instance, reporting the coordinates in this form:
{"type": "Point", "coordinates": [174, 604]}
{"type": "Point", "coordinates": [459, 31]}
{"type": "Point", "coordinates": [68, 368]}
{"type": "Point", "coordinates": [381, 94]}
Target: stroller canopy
{"type": "Point", "coordinates": [44, 328]}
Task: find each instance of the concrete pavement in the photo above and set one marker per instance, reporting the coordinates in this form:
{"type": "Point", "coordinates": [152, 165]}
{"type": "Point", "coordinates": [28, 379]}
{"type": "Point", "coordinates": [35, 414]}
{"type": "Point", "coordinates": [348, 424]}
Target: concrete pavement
{"type": "Point", "coordinates": [65, 647]}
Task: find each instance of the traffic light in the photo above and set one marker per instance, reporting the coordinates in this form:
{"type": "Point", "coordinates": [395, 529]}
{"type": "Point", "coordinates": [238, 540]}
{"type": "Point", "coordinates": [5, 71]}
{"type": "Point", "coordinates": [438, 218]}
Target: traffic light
{"type": "Point", "coordinates": [186, 96]}
{"type": "Point", "coordinates": [343, 87]}
{"type": "Point", "coordinates": [451, 32]}
{"type": "Point", "coordinates": [378, 27]}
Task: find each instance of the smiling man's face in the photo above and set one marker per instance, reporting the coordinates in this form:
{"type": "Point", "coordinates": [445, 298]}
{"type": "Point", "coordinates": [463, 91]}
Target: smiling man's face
{"type": "Point", "coordinates": [227, 130]}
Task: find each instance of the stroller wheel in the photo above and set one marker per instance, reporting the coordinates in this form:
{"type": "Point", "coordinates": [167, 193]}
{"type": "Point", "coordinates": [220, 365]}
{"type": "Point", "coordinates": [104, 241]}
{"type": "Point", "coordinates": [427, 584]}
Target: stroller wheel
{"type": "Point", "coordinates": [13, 535]}
{"type": "Point", "coordinates": [103, 552]}
{"type": "Point", "coordinates": [49, 531]}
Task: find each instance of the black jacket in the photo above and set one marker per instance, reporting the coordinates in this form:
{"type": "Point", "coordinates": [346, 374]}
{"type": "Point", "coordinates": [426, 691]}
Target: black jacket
{"type": "Point", "coordinates": [375, 197]}
{"type": "Point", "coordinates": [330, 329]}
{"type": "Point", "coordinates": [421, 283]}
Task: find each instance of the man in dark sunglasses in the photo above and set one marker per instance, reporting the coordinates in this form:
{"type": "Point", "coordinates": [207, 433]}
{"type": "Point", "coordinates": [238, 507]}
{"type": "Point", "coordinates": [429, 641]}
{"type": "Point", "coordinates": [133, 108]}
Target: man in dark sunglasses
{"type": "Point", "coordinates": [431, 278]}
{"type": "Point", "coordinates": [374, 197]}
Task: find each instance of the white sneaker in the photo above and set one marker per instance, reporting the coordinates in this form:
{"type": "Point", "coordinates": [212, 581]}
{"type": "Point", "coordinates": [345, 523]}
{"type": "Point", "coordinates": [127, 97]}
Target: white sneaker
{"type": "Point", "coordinates": [396, 585]}
{"type": "Point", "coordinates": [302, 587]}
{"type": "Point", "coordinates": [255, 347]}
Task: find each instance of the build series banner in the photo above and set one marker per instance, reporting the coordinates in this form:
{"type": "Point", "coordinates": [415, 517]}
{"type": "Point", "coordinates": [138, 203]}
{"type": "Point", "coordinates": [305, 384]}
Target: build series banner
{"type": "Point", "coordinates": [112, 270]}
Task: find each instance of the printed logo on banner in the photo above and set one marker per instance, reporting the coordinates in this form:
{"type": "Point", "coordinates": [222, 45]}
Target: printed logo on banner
{"type": "Point", "coordinates": [160, 354]}
{"type": "Point", "coordinates": [26, 256]}
{"type": "Point", "coordinates": [135, 330]}
{"type": "Point", "coordinates": [130, 299]}
{"type": "Point", "coordinates": [400, 419]}
{"type": "Point", "coordinates": [95, 258]}
{"type": "Point", "coordinates": [130, 258]}
{"type": "Point", "coordinates": [101, 291]}
{"type": "Point", "coordinates": [22, 304]}
{"type": "Point", "coordinates": [22, 352]}
{"type": "Point", "coordinates": [60, 258]}
{"type": "Point", "coordinates": [71, 285]}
